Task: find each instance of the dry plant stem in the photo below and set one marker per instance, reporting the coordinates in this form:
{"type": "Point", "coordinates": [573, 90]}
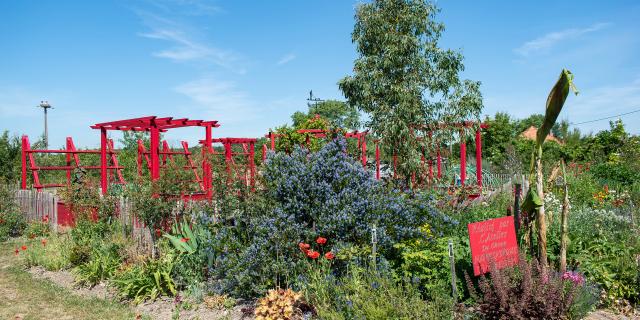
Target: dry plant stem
{"type": "Point", "coordinates": [541, 218]}
{"type": "Point", "coordinates": [564, 239]}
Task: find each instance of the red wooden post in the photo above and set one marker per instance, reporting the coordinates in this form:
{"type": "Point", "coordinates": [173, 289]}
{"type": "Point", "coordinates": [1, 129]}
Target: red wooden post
{"type": "Point", "coordinates": [439, 163]}
{"type": "Point", "coordinates": [206, 165]}
{"type": "Point", "coordinates": [68, 158]}
{"type": "Point", "coordinates": [479, 157]}
{"type": "Point", "coordinates": [364, 150]}
{"type": "Point", "coordinates": [252, 165]}
{"type": "Point", "coordinates": [228, 157]}
{"type": "Point", "coordinates": [463, 158]}
{"type": "Point", "coordinates": [264, 152]}
{"type": "Point", "coordinates": [25, 147]}
{"type": "Point", "coordinates": [154, 146]}
{"type": "Point", "coordinates": [103, 160]}
{"type": "Point", "coordinates": [273, 140]}
{"type": "Point", "coordinates": [377, 161]}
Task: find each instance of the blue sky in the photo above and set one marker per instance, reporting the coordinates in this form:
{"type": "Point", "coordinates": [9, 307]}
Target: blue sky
{"type": "Point", "coordinates": [251, 64]}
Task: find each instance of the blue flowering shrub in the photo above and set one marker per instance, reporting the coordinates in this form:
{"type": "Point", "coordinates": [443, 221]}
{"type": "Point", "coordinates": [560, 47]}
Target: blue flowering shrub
{"type": "Point", "coordinates": [307, 195]}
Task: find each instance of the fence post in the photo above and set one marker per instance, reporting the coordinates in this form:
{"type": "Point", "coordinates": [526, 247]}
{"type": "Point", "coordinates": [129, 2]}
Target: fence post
{"type": "Point", "coordinates": [452, 262]}
{"type": "Point", "coordinates": [516, 206]}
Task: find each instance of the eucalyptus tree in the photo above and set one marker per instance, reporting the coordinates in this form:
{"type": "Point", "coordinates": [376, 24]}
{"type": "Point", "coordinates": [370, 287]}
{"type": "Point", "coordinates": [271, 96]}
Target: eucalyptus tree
{"type": "Point", "coordinates": [403, 79]}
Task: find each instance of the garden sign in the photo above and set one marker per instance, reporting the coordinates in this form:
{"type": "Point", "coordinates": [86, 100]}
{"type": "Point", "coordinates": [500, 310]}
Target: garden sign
{"type": "Point", "coordinates": [493, 240]}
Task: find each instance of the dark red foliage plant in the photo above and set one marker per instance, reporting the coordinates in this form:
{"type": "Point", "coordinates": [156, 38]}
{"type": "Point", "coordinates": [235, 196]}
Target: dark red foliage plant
{"type": "Point", "coordinates": [526, 291]}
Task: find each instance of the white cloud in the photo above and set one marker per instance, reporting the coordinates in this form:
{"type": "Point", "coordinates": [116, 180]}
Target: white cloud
{"type": "Point", "coordinates": [186, 47]}
{"type": "Point", "coordinates": [187, 7]}
{"type": "Point", "coordinates": [220, 100]}
{"type": "Point", "coordinates": [286, 59]}
{"type": "Point", "coordinates": [548, 40]}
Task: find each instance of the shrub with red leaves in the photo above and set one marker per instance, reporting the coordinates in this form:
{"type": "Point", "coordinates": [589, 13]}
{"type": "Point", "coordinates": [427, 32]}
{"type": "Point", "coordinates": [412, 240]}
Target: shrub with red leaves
{"type": "Point", "coordinates": [527, 291]}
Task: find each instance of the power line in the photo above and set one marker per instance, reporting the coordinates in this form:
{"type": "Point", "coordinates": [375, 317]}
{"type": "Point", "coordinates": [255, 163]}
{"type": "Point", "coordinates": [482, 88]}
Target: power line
{"type": "Point", "coordinates": [605, 118]}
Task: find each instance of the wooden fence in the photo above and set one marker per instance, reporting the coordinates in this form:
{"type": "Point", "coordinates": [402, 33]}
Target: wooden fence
{"type": "Point", "coordinates": [36, 205]}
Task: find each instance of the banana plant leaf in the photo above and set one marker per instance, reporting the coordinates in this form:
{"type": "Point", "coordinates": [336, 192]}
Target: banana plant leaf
{"type": "Point", "coordinates": [531, 201]}
{"type": "Point", "coordinates": [555, 101]}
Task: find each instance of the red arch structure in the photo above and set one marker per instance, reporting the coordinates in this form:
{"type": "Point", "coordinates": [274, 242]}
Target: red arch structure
{"type": "Point", "coordinates": [168, 154]}
{"type": "Point", "coordinates": [113, 171]}
{"type": "Point", "coordinates": [155, 125]}
{"type": "Point", "coordinates": [360, 136]}
{"type": "Point", "coordinates": [460, 126]}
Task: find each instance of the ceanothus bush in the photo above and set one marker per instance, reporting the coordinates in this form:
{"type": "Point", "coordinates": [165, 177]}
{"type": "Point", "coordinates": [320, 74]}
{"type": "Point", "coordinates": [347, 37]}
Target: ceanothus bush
{"type": "Point", "coordinates": [307, 195]}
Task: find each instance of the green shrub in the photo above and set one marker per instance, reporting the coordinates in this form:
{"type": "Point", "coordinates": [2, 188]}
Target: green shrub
{"type": "Point", "coordinates": [37, 229]}
{"type": "Point", "coordinates": [147, 280]}
{"type": "Point", "coordinates": [12, 224]}
{"type": "Point", "coordinates": [604, 246]}
{"type": "Point", "coordinates": [102, 264]}
{"type": "Point", "coordinates": [366, 294]}
{"type": "Point", "coordinates": [50, 253]}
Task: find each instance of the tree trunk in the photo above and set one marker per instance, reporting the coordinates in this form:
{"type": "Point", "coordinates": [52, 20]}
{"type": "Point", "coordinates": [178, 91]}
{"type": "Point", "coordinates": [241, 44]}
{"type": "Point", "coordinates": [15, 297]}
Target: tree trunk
{"type": "Point", "coordinates": [565, 223]}
{"type": "Point", "coordinates": [541, 218]}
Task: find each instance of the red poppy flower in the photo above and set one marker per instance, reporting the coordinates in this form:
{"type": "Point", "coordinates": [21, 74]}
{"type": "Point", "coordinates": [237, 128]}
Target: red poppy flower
{"type": "Point", "coordinates": [24, 248]}
{"type": "Point", "coordinates": [321, 240]}
{"type": "Point", "coordinates": [184, 239]}
{"type": "Point", "coordinates": [158, 233]}
{"type": "Point", "coordinates": [329, 255]}
{"type": "Point", "coordinates": [304, 246]}
{"type": "Point", "coordinates": [17, 251]}
{"type": "Point", "coordinates": [45, 218]}
{"type": "Point", "coordinates": [313, 254]}
{"type": "Point", "coordinates": [44, 242]}
{"type": "Point", "coordinates": [1, 221]}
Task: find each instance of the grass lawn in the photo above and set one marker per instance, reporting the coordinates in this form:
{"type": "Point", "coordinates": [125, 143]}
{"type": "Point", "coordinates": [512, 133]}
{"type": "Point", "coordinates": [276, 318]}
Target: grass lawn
{"type": "Point", "coordinates": [23, 297]}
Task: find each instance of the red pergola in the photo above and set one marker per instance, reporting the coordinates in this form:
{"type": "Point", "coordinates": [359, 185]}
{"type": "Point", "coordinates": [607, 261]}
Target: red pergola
{"type": "Point", "coordinates": [429, 129]}
{"type": "Point", "coordinates": [360, 136]}
{"type": "Point", "coordinates": [154, 125]}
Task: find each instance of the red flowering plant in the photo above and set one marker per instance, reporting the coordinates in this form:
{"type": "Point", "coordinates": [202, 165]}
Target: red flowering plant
{"type": "Point", "coordinates": [315, 254]}
{"type": "Point", "coordinates": [318, 259]}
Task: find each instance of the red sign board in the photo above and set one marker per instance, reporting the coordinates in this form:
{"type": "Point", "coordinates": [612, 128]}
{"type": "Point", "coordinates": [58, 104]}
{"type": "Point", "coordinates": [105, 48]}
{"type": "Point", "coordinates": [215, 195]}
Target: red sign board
{"type": "Point", "coordinates": [493, 241]}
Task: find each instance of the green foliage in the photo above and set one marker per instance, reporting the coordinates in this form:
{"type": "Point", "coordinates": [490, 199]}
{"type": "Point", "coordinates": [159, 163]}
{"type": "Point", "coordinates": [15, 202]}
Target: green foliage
{"type": "Point", "coordinates": [10, 151]}
{"type": "Point", "coordinates": [183, 238]}
{"type": "Point", "coordinates": [37, 229]}
{"type": "Point", "coordinates": [192, 260]}
{"type": "Point", "coordinates": [289, 137]}
{"type": "Point", "coordinates": [338, 113]}
{"type": "Point", "coordinates": [52, 256]}
{"type": "Point", "coordinates": [147, 280]}
{"type": "Point", "coordinates": [497, 137]}
{"type": "Point", "coordinates": [426, 262]}
{"type": "Point", "coordinates": [400, 67]}
{"type": "Point", "coordinates": [615, 173]}
{"type": "Point", "coordinates": [102, 265]}
{"type": "Point", "coordinates": [366, 294]}
{"type": "Point", "coordinates": [605, 246]}
{"type": "Point", "coordinates": [12, 222]}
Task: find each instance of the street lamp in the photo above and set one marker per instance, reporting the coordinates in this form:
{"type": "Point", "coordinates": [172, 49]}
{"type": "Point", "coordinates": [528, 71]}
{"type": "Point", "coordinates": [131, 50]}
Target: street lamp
{"type": "Point", "coordinates": [45, 105]}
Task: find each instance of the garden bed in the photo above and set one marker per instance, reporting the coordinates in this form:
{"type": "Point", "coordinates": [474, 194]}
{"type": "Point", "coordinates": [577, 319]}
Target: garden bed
{"type": "Point", "coordinates": [161, 308]}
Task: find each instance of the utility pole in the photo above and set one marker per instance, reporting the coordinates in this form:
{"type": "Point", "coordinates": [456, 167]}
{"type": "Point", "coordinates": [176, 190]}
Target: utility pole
{"type": "Point", "coordinates": [312, 100]}
{"type": "Point", "coordinates": [45, 105]}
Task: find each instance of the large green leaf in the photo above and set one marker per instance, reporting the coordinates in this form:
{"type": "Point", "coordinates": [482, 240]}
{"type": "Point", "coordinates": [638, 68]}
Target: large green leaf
{"type": "Point", "coordinates": [555, 101]}
{"type": "Point", "coordinates": [531, 201]}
